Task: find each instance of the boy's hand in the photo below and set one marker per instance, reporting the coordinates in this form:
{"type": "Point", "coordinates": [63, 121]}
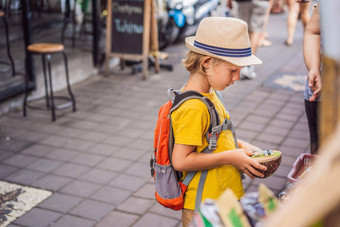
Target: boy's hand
{"type": "Point", "coordinates": [239, 158]}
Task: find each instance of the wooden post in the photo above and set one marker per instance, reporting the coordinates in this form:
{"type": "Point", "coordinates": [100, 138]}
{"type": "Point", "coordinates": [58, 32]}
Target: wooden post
{"type": "Point", "coordinates": [146, 38]}
{"type": "Point", "coordinates": [330, 92]}
{"type": "Point", "coordinates": [108, 36]}
{"type": "Point", "coordinates": [330, 104]}
{"type": "Point", "coordinates": [154, 36]}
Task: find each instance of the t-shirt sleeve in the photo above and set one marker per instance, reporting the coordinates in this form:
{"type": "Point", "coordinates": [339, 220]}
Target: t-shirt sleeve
{"type": "Point", "coordinates": [190, 123]}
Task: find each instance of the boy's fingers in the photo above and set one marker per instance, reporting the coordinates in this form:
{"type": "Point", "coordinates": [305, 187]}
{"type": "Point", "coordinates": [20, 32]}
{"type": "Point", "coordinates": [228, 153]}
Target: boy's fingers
{"type": "Point", "coordinates": [249, 173]}
{"type": "Point", "coordinates": [255, 172]}
{"type": "Point", "coordinates": [259, 166]}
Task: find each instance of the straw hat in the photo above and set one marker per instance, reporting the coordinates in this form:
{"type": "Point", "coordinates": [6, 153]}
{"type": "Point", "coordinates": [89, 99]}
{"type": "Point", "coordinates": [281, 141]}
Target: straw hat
{"type": "Point", "coordinates": [225, 38]}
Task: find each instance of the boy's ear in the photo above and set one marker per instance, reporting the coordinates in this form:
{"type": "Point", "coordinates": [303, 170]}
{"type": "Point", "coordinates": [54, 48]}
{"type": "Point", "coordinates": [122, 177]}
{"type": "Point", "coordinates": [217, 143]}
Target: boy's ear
{"type": "Point", "coordinates": [206, 61]}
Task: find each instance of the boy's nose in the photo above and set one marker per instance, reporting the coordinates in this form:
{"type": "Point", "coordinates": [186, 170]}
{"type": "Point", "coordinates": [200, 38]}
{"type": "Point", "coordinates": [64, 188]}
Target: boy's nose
{"type": "Point", "coordinates": [236, 75]}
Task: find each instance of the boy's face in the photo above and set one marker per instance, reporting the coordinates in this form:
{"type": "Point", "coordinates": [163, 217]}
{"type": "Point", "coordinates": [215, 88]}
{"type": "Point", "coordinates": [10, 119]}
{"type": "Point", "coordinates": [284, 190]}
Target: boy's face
{"type": "Point", "coordinates": [222, 75]}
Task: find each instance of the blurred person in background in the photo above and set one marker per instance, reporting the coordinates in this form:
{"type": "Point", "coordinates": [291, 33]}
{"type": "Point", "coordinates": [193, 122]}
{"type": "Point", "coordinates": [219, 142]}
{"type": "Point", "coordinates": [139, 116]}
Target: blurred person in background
{"type": "Point", "coordinates": [254, 13]}
{"type": "Point", "coordinates": [312, 56]}
{"type": "Point", "coordinates": [294, 8]}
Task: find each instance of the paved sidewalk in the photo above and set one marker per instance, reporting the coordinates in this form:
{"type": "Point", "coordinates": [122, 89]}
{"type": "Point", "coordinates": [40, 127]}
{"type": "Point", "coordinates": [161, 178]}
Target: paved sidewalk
{"type": "Point", "coordinates": [96, 161]}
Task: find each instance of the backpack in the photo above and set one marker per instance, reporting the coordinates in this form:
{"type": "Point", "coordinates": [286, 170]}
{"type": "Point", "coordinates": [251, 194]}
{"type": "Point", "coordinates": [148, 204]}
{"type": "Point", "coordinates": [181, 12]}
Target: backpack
{"type": "Point", "coordinates": [169, 189]}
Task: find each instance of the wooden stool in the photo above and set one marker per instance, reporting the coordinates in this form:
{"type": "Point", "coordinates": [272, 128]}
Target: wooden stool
{"type": "Point", "coordinates": [11, 64]}
{"type": "Point", "coordinates": [46, 50]}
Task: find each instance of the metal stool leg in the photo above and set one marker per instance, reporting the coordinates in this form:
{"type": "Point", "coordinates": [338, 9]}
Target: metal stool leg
{"type": "Point", "coordinates": [68, 83]}
{"type": "Point", "coordinates": [8, 48]}
{"type": "Point", "coordinates": [45, 80]}
{"type": "Point", "coordinates": [48, 58]}
{"type": "Point", "coordinates": [25, 98]}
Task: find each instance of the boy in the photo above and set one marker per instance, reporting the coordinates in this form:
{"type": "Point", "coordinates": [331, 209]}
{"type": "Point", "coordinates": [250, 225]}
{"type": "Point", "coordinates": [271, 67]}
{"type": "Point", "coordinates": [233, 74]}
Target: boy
{"type": "Point", "coordinates": [219, 50]}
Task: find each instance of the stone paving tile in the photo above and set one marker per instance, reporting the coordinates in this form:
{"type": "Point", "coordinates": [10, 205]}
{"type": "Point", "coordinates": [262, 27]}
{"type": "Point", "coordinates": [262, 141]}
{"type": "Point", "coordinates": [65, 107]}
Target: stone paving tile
{"type": "Point", "coordinates": [91, 209]}
{"type": "Point", "coordinates": [24, 176]}
{"type": "Point", "coordinates": [14, 145]}
{"type": "Point", "coordinates": [281, 123]}
{"type": "Point", "coordinates": [270, 138]}
{"type": "Point", "coordinates": [131, 132]}
{"type": "Point", "coordinates": [60, 202]}
{"type": "Point", "coordinates": [119, 140]}
{"type": "Point", "coordinates": [48, 128]}
{"type": "Point", "coordinates": [69, 220]}
{"type": "Point", "coordinates": [258, 119]}
{"type": "Point", "coordinates": [116, 218]}
{"type": "Point", "coordinates": [129, 153]}
{"type": "Point", "coordinates": [138, 169]}
{"type": "Point", "coordinates": [33, 136]}
{"type": "Point", "coordinates": [114, 164]}
{"type": "Point", "coordinates": [44, 165]}
{"type": "Point", "coordinates": [94, 136]}
{"type": "Point", "coordinates": [280, 131]}
{"type": "Point", "coordinates": [110, 129]}
{"type": "Point", "coordinates": [37, 217]}
{"type": "Point", "coordinates": [244, 134]}
{"type": "Point", "coordinates": [283, 171]}
{"type": "Point", "coordinates": [286, 116]}
{"type": "Point", "coordinates": [135, 205]}
{"type": "Point", "coordinates": [98, 176]}
{"type": "Point", "coordinates": [104, 149]}
{"type": "Point", "coordinates": [288, 160]}
{"type": "Point", "coordinates": [6, 170]}
{"type": "Point", "coordinates": [5, 154]}
{"type": "Point", "coordinates": [290, 150]}
{"type": "Point", "coordinates": [78, 144]}
{"type": "Point", "coordinates": [128, 182]}
{"type": "Point", "coordinates": [298, 143]}
{"type": "Point", "coordinates": [52, 182]}
{"type": "Point", "coordinates": [87, 159]}
{"type": "Point", "coordinates": [71, 170]}
{"type": "Point", "coordinates": [247, 125]}
{"type": "Point", "coordinates": [80, 188]}
{"type": "Point", "coordinates": [146, 192]}
{"type": "Point", "coordinates": [87, 125]}
{"type": "Point", "coordinates": [142, 144]}
{"type": "Point", "coordinates": [62, 154]}
{"type": "Point", "coordinates": [20, 160]}
{"type": "Point", "coordinates": [111, 195]}
{"type": "Point", "coordinates": [299, 134]}
{"type": "Point", "coordinates": [159, 209]}
{"type": "Point", "coordinates": [71, 132]}
{"type": "Point", "coordinates": [38, 150]}
{"type": "Point", "coordinates": [56, 141]}
{"type": "Point", "coordinates": [155, 220]}
{"type": "Point", "coordinates": [273, 182]}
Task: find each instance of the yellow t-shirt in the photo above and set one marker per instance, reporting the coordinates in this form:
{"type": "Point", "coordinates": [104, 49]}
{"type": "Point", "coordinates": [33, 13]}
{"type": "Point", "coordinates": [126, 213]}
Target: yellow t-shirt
{"type": "Point", "coordinates": [190, 123]}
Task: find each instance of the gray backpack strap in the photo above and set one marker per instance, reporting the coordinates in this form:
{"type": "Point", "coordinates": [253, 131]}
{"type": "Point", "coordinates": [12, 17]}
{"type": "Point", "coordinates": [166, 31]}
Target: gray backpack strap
{"type": "Point", "coordinates": [204, 174]}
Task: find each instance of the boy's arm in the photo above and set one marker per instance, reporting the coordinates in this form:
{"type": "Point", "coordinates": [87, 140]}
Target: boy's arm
{"type": "Point", "coordinates": [184, 158]}
{"type": "Point", "coordinates": [311, 53]}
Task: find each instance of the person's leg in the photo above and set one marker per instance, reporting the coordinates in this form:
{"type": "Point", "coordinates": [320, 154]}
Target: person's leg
{"type": "Point", "coordinates": [263, 39]}
{"type": "Point", "coordinates": [312, 117]}
{"type": "Point", "coordinates": [304, 10]}
{"type": "Point", "coordinates": [293, 8]}
{"type": "Point", "coordinates": [187, 216]}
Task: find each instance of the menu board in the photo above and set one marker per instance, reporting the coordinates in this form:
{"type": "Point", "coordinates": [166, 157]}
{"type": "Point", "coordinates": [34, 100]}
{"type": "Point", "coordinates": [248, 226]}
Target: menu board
{"type": "Point", "coordinates": [127, 26]}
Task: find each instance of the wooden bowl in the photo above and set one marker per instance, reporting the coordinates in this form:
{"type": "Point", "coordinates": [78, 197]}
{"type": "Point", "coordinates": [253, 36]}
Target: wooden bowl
{"type": "Point", "coordinates": [269, 158]}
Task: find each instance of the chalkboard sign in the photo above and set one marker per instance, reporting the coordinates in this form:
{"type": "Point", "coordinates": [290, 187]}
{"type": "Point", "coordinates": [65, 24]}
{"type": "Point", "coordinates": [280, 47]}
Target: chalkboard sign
{"type": "Point", "coordinates": [127, 26]}
{"type": "Point", "coordinates": [131, 25]}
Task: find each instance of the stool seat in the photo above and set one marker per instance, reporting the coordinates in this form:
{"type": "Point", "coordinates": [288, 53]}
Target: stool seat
{"type": "Point", "coordinates": [45, 48]}
{"type": "Point", "coordinates": [2, 13]}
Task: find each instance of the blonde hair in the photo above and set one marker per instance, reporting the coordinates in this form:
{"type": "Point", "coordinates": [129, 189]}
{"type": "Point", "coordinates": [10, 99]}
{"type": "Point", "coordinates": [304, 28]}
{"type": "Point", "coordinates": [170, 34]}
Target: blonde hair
{"type": "Point", "coordinates": [193, 62]}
